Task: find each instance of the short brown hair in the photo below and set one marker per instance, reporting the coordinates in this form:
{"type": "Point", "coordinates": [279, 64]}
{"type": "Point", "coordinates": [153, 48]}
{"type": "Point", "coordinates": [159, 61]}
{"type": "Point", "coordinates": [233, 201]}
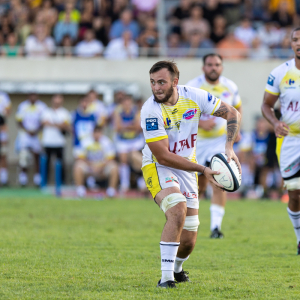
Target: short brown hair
{"type": "Point", "coordinates": [165, 64]}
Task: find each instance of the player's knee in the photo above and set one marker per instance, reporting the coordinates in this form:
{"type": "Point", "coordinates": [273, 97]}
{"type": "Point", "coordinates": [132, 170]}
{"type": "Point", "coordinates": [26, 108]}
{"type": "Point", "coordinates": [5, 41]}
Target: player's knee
{"type": "Point", "coordinates": [191, 223]}
{"type": "Point", "coordinates": [173, 200]}
{"type": "Point", "coordinates": [292, 184]}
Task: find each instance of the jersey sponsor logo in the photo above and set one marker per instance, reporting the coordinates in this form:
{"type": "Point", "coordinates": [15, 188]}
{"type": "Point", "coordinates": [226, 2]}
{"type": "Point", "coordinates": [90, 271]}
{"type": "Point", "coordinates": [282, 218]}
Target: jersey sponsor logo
{"type": "Point", "coordinates": [189, 114]}
{"type": "Point", "coordinates": [291, 106]}
{"type": "Point", "coordinates": [167, 124]}
{"type": "Point", "coordinates": [292, 167]}
{"type": "Point", "coordinates": [271, 79]}
{"type": "Point", "coordinates": [290, 82]}
{"type": "Point", "coordinates": [171, 179]}
{"type": "Point", "coordinates": [190, 195]}
{"type": "Point", "coordinates": [209, 95]}
{"type": "Point", "coordinates": [184, 144]}
{"type": "Point", "coordinates": [151, 124]}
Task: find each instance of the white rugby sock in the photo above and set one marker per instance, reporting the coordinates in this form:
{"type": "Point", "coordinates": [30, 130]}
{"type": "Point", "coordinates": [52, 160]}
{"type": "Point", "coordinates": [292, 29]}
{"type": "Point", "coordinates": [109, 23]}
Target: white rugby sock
{"type": "Point", "coordinates": [3, 175]}
{"type": "Point", "coordinates": [168, 253]}
{"type": "Point", "coordinates": [178, 264]}
{"type": "Point", "coordinates": [124, 172]}
{"type": "Point", "coordinates": [295, 218]}
{"type": "Point", "coordinates": [23, 179]}
{"type": "Point", "coordinates": [217, 213]}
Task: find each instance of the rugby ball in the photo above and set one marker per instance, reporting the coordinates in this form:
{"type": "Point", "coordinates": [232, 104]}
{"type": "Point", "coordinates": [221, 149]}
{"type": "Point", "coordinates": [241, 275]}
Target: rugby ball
{"type": "Point", "coordinates": [230, 177]}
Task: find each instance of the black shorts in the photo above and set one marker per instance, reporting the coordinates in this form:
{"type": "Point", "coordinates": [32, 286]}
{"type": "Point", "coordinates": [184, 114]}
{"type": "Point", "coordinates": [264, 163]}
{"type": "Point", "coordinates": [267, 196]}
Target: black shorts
{"type": "Point", "coordinates": [2, 120]}
{"type": "Point", "coordinates": [293, 176]}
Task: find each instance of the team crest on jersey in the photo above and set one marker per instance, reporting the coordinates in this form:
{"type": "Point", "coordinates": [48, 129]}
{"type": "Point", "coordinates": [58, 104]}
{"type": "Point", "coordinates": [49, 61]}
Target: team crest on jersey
{"type": "Point", "coordinates": [151, 124]}
{"type": "Point", "coordinates": [189, 114]}
{"type": "Point", "coordinates": [177, 124]}
{"type": "Point", "coordinates": [149, 182]}
{"type": "Point", "coordinates": [271, 80]}
{"type": "Point", "coordinates": [226, 94]}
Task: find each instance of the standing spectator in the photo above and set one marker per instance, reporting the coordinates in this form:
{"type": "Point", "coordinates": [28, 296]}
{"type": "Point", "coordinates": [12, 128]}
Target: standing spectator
{"type": "Point", "coordinates": [125, 23]}
{"type": "Point", "coordinates": [97, 107]}
{"type": "Point", "coordinates": [40, 44]}
{"type": "Point", "coordinates": [56, 121]}
{"type": "Point", "coordinates": [11, 48]}
{"type": "Point", "coordinates": [148, 39]}
{"type": "Point", "coordinates": [65, 27]}
{"type": "Point", "coordinates": [71, 10]}
{"type": "Point", "coordinates": [195, 23]}
{"type": "Point", "coordinates": [197, 43]}
{"type": "Point", "coordinates": [231, 47]}
{"type": "Point", "coordinates": [89, 47]}
{"type": "Point", "coordinates": [29, 118]}
{"type": "Point", "coordinates": [245, 32]}
{"type": "Point", "coordinates": [96, 160]}
{"type": "Point", "coordinates": [219, 29]}
{"type": "Point", "coordinates": [122, 48]}
{"type": "Point", "coordinates": [5, 106]}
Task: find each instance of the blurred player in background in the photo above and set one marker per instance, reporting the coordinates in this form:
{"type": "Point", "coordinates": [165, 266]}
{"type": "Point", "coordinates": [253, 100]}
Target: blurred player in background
{"type": "Point", "coordinates": [170, 120]}
{"type": "Point", "coordinates": [97, 107]}
{"type": "Point", "coordinates": [97, 159]}
{"type": "Point", "coordinates": [212, 131]}
{"type": "Point", "coordinates": [56, 122]}
{"type": "Point", "coordinates": [284, 84]}
{"type": "Point", "coordinates": [5, 105]}
{"type": "Point", "coordinates": [129, 141]}
{"type": "Point", "coordinates": [29, 118]}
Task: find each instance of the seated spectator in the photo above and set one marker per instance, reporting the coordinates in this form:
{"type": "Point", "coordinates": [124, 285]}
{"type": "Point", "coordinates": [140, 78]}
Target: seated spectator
{"type": "Point", "coordinates": [101, 29]}
{"type": "Point", "coordinates": [231, 47]}
{"type": "Point", "coordinates": [122, 48]}
{"type": "Point", "coordinates": [97, 107]}
{"type": "Point", "coordinates": [256, 9]}
{"type": "Point", "coordinates": [125, 23]}
{"type": "Point", "coordinates": [11, 48]}
{"type": "Point", "coordinates": [219, 29]}
{"type": "Point", "coordinates": [39, 44]}
{"type": "Point", "coordinates": [210, 10]}
{"type": "Point", "coordinates": [283, 16]}
{"type": "Point", "coordinates": [86, 22]}
{"type": "Point", "coordinates": [245, 32]}
{"type": "Point", "coordinates": [97, 160]}
{"type": "Point", "coordinates": [6, 26]}
{"type": "Point", "coordinates": [66, 47]}
{"type": "Point", "coordinates": [195, 23]}
{"type": "Point", "coordinates": [144, 10]}
{"type": "Point", "coordinates": [47, 13]}
{"type": "Point", "coordinates": [128, 141]}
{"type": "Point", "coordinates": [258, 50]}
{"type": "Point", "coordinates": [89, 47]}
{"type": "Point", "coordinates": [275, 6]}
{"type": "Point", "coordinates": [24, 27]}
{"type": "Point", "coordinates": [175, 46]}
{"type": "Point", "coordinates": [148, 39]}
{"type": "Point", "coordinates": [71, 10]}
{"type": "Point", "coordinates": [284, 51]}
{"type": "Point", "coordinates": [17, 8]}
{"type": "Point", "coordinates": [180, 12]}
{"type": "Point", "coordinates": [197, 43]}
{"type": "Point", "coordinates": [56, 121]}
{"type": "Point", "coordinates": [231, 10]}
{"type": "Point", "coordinates": [270, 35]}
{"type": "Point", "coordinates": [115, 8]}
{"type": "Point", "coordinates": [65, 27]}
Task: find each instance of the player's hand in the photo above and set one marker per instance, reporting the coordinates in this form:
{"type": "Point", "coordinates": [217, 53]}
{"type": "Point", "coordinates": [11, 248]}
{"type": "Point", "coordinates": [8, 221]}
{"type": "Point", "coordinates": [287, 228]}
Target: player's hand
{"type": "Point", "coordinates": [207, 124]}
{"type": "Point", "coordinates": [231, 155]}
{"type": "Point", "coordinates": [281, 129]}
{"type": "Point", "coordinates": [208, 173]}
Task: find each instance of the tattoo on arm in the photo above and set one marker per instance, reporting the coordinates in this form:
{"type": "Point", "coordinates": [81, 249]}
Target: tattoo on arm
{"type": "Point", "coordinates": [232, 129]}
{"type": "Point", "coordinates": [221, 112]}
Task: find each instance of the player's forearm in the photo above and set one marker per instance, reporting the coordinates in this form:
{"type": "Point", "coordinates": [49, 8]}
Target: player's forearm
{"type": "Point", "coordinates": [269, 114]}
{"type": "Point", "coordinates": [175, 161]}
{"type": "Point", "coordinates": [233, 126]}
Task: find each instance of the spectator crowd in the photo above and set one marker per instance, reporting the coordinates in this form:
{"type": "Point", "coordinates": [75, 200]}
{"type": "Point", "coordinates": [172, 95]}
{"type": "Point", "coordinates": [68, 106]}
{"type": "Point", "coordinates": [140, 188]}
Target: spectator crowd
{"type": "Point", "coordinates": [124, 29]}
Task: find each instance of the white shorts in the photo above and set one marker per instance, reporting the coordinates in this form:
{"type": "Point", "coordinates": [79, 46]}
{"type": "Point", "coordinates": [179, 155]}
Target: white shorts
{"type": "Point", "coordinates": [207, 148]}
{"type": "Point", "coordinates": [159, 177]}
{"type": "Point", "coordinates": [126, 146]}
{"type": "Point", "coordinates": [27, 141]}
{"type": "Point", "coordinates": [288, 154]}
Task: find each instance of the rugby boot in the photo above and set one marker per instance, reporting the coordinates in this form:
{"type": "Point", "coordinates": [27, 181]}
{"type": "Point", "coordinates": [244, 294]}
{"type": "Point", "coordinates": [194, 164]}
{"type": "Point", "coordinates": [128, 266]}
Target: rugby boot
{"type": "Point", "coordinates": [216, 234]}
{"type": "Point", "coordinates": [298, 253]}
{"type": "Point", "coordinates": [167, 284]}
{"type": "Point", "coordinates": [182, 276]}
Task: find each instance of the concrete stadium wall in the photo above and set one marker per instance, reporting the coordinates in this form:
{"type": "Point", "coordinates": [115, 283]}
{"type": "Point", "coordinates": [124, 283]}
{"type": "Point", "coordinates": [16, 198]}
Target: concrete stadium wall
{"type": "Point", "coordinates": [250, 76]}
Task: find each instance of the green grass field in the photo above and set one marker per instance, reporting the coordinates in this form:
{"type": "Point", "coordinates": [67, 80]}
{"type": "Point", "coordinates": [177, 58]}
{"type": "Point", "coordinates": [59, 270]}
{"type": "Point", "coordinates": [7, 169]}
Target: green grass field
{"type": "Point", "coordinates": [57, 249]}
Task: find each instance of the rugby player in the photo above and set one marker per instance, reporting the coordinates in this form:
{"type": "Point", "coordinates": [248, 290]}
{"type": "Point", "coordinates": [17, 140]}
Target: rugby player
{"type": "Point", "coordinates": [212, 131]}
{"type": "Point", "coordinates": [5, 106]}
{"type": "Point", "coordinates": [284, 84]}
{"type": "Point", "coordinates": [169, 119]}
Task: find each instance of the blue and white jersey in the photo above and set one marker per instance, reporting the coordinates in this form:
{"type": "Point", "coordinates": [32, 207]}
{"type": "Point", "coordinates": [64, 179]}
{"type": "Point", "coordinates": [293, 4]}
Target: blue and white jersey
{"type": "Point", "coordinates": [83, 126]}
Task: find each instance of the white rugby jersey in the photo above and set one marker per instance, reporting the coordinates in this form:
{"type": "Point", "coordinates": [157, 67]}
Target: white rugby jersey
{"type": "Point", "coordinates": [178, 123]}
{"type": "Point", "coordinates": [284, 81]}
{"type": "Point", "coordinates": [30, 114]}
{"type": "Point", "coordinates": [227, 91]}
{"type": "Point", "coordinates": [5, 103]}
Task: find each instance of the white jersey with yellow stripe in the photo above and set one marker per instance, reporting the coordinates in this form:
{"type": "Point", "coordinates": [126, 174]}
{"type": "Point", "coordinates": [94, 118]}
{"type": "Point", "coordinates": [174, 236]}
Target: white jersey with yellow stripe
{"type": "Point", "coordinates": [284, 81]}
{"type": "Point", "coordinates": [178, 123]}
{"type": "Point", "coordinates": [227, 91]}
